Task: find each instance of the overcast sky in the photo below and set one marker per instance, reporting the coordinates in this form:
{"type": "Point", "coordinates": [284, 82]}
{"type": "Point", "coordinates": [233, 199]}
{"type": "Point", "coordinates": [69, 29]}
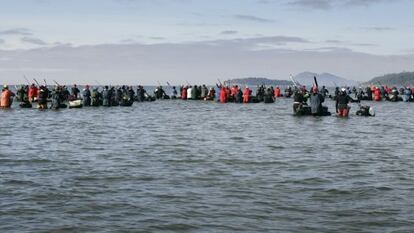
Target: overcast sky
{"type": "Point", "coordinates": [145, 41]}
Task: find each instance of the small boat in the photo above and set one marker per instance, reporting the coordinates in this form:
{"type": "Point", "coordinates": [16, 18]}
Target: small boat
{"type": "Point", "coordinates": [75, 104]}
{"type": "Point", "coordinates": [126, 103]}
{"type": "Point", "coordinates": [25, 105]}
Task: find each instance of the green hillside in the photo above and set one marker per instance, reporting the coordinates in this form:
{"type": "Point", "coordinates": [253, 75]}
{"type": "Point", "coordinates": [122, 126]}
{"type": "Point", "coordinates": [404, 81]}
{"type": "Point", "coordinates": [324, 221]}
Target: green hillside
{"type": "Point", "coordinates": [400, 79]}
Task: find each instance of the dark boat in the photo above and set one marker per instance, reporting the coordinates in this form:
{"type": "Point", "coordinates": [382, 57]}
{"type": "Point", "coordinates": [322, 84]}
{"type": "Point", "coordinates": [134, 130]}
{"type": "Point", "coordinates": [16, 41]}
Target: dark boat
{"type": "Point", "coordinates": [307, 111]}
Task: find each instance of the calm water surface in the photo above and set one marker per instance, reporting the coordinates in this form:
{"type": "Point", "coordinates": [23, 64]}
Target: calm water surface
{"type": "Point", "coordinates": [186, 166]}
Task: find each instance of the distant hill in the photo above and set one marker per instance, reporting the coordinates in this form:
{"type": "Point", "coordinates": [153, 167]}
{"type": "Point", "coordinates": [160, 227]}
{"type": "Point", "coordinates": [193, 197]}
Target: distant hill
{"type": "Point", "coordinates": [252, 81]}
{"type": "Point", "coordinates": [305, 78]}
{"type": "Point", "coordinates": [400, 79]}
{"type": "Point", "coordinates": [324, 79]}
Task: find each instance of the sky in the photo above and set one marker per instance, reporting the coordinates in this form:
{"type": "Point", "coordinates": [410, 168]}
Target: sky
{"type": "Point", "coordinates": [198, 41]}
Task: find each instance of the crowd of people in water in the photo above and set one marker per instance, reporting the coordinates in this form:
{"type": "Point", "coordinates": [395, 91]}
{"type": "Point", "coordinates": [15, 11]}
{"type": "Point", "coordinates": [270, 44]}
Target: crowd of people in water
{"type": "Point", "coordinates": [305, 102]}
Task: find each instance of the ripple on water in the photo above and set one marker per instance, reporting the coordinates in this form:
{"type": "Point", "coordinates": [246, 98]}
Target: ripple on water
{"type": "Point", "coordinates": [178, 166]}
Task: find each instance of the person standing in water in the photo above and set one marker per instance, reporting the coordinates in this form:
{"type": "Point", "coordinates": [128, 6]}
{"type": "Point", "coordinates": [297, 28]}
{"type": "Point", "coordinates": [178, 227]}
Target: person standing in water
{"type": "Point", "coordinates": [407, 94]}
{"type": "Point", "coordinates": [377, 94]}
{"type": "Point", "coordinates": [246, 95]}
{"type": "Point", "coordinates": [106, 97]}
{"type": "Point", "coordinates": [33, 92]}
{"type": "Point", "coordinates": [174, 93]}
{"type": "Point", "coordinates": [223, 93]}
{"type": "Point", "coordinates": [43, 96]}
{"type": "Point", "coordinates": [324, 91]}
{"type": "Point", "coordinates": [277, 92]}
{"type": "Point", "coordinates": [56, 98]}
{"type": "Point", "coordinates": [75, 92]}
{"type": "Point", "coordinates": [211, 95]}
{"type": "Point", "coordinates": [189, 92]}
{"type": "Point", "coordinates": [86, 96]}
{"type": "Point", "coordinates": [6, 97]}
{"type": "Point", "coordinates": [184, 93]}
{"type": "Point", "coordinates": [95, 100]}
{"type": "Point", "coordinates": [342, 101]}
{"type": "Point", "coordinates": [316, 100]}
{"type": "Point", "coordinates": [204, 92]}
{"type": "Point", "coordinates": [141, 92]}
{"type": "Point", "coordinates": [299, 99]}
{"type": "Point", "coordinates": [239, 96]}
{"type": "Point", "coordinates": [22, 94]}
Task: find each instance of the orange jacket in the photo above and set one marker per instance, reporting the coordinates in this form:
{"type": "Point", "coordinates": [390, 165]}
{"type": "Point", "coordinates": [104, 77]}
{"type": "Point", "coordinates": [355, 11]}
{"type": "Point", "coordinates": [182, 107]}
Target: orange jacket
{"type": "Point", "coordinates": [5, 99]}
{"type": "Point", "coordinates": [223, 95]}
{"type": "Point", "coordinates": [233, 91]}
{"type": "Point", "coordinates": [246, 95]}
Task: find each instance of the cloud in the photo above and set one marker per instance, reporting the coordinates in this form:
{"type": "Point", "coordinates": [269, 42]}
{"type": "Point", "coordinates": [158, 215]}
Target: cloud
{"type": "Point", "coordinates": [2, 41]}
{"type": "Point", "coordinates": [199, 24]}
{"type": "Point", "coordinates": [274, 39]}
{"type": "Point", "coordinates": [5, 59]}
{"type": "Point", "coordinates": [364, 44]}
{"type": "Point", "coordinates": [408, 51]}
{"type": "Point", "coordinates": [267, 42]}
{"type": "Point", "coordinates": [229, 32]}
{"type": "Point", "coordinates": [128, 41]}
{"type": "Point", "coordinates": [349, 43]}
{"type": "Point", "coordinates": [32, 40]}
{"type": "Point", "coordinates": [334, 41]}
{"type": "Point", "coordinates": [313, 4]}
{"type": "Point", "coordinates": [253, 18]}
{"type": "Point", "coordinates": [62, 44]}
{"type": "Point", "coordinates": [264, 1]}
{"type": "Point", "coordinates": [34, 69]}
{"type": "Point", "coordinates": [124, 1]}
{"type": "Point", "coordinates": [158, 2]}
{"type": "Point", "coordinates": [379, 28]}
{"type": "Point", "coordinates": [331, 49]}
{"type": "Point", "coordinates": [329, 4]}
{"type": "Point", "coordinates": [16, 31]}
{"type": "Point", "coordinates": [365, 2]}
{"type": "Point", "coordinates": [157, 38]}
{"type": "Point", "coordinates": [123, 63]}
{"type": "Point", "coordinates": [175, 63]}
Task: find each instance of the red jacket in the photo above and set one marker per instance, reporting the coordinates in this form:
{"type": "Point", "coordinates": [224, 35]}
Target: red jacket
{"type": "Point", "coordinates": [33, 92]}
{"type": "Point", "coordinates": [184, 93]}
{"type": "Point", "coordinates": [377, 94]}
{"type": "Point", "coordinates": [277, 92]}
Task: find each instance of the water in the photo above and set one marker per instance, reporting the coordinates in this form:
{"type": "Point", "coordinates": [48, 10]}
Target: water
{"type": "Point", "coordinates": [193, 166]}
